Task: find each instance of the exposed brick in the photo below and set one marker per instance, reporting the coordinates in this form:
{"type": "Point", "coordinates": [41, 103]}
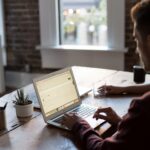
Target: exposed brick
{"type": "Point", "coordinates": [22, 33]}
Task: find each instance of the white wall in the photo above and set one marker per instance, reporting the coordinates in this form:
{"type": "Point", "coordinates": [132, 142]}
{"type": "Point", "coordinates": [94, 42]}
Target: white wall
{"type": "Point", "coordinates": [2, 81]}
{"type": "Point", "coordinates": [59, 58]}
{"type": "Point", "coordinates": [2, 33]}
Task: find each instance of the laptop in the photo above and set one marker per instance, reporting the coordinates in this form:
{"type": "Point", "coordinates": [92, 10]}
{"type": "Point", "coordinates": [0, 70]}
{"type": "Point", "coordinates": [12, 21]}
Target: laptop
{"type": "Point", "coordinates": [57, 94]}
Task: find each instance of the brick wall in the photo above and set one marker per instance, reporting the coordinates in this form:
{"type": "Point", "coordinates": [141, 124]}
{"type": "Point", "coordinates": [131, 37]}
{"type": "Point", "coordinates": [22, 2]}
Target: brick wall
{"type": "Point", "coordinates": [22, 35]}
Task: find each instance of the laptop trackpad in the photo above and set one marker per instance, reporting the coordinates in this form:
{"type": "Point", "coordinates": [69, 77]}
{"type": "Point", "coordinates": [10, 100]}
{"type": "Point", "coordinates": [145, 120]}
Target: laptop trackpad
{"type": "Point", "coordinates": [93, 122]}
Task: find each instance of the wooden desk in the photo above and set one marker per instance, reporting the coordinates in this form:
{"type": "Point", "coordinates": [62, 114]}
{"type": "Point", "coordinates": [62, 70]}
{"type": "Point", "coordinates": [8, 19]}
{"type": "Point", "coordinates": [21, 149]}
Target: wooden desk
{"type": "Point", "coordinates": [34, 134]}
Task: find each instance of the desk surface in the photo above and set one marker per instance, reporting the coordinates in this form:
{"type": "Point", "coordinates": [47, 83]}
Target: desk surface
{"type": "Point", "coordinates": [34, 134]}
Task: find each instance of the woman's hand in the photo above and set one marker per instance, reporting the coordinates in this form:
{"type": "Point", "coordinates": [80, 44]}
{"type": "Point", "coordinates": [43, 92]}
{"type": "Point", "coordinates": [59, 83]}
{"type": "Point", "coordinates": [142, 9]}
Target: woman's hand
{"type": "Point", "coordinates": [70, 119]}
{"type": "Point", "coordinates": [110, 90]}
{"type": "Point", "coordinates": [107, 114]}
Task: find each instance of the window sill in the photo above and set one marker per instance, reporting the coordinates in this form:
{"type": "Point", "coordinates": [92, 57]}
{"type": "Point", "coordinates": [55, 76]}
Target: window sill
{"type": "Point", "coordinates": [90, 56]}
{"type": "Point", "coordinates": [82, 48]}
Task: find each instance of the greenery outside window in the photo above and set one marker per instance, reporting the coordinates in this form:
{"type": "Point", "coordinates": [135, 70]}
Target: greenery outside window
{"type": "Point", "coordinates": [83, 22]}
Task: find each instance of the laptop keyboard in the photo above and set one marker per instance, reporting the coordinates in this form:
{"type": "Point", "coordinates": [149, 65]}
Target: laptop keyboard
{"type": "Point", "coordinates": [82, 111]}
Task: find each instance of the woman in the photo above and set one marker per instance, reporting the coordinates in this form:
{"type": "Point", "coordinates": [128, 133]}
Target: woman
{"type": "Point", "coordinates": [133, 132]}
{"type": "Point", "coordinates": [140, 17]}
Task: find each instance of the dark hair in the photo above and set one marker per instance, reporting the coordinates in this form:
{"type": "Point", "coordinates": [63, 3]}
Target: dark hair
{"type": "Point", "coordinates": [140, 14]}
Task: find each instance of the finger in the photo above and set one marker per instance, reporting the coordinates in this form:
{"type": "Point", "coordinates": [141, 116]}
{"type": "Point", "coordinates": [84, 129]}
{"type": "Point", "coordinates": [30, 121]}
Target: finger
{"type": "Point", "coordinates": [101, 87]}
{"type": "Point", "coordinates": [96, 116]}
{"type": "Point", "coordinates": [101, 90]}
{"type": "Point", "coordinates": [73, 113]}
{"type": "Point", "coordinates": [107, 87]}
{"type": "Point", "coordinates": [68, 115]}
{"type": "Point", "coordinates": [63, 121]}
{"type": "Point", "coordinates": [66, 118]}
{"type": "Point", "coordinates": [101, 117]}
{"type": "Point", "coordinates": [102, 93]}
{"type": "Point", "coordinates": [105, 110]}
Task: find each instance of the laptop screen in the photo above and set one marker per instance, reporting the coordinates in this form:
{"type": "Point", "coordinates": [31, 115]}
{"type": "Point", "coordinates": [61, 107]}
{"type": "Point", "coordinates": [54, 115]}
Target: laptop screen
{"type": "Point", "coordinates": [57, 92]}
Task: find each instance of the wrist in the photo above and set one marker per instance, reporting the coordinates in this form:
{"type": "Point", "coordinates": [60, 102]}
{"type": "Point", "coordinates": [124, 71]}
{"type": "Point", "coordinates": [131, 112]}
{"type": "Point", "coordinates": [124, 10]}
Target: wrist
{"type": "Point", "coordinates": [118, 119]}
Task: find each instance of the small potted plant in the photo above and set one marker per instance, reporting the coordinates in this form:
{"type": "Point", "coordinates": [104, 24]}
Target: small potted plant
{"type": "Point", "coordinates": [23, 104]}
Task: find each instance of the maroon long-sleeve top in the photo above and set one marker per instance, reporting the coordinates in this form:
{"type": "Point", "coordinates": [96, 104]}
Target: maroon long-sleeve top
{"type": "Point", "coordinates": [133, 131]}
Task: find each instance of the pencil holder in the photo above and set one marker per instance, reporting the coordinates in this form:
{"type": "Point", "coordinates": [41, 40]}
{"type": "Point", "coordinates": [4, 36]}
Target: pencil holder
{"type": "Point", "coordinates": [2, 120]}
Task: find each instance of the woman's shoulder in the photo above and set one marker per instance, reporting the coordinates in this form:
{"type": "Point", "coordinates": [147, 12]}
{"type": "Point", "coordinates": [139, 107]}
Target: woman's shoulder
{"type": "Point", "coordinates": [142, 102]}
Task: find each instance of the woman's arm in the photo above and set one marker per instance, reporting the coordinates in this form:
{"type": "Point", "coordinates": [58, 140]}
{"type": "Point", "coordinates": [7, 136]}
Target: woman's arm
{"type": "Point", "coordinates": [113, 90]}
{"type": "Point", "coordinates": [133, 131]}
{"type": "Point", "coordinates": [137, 89]}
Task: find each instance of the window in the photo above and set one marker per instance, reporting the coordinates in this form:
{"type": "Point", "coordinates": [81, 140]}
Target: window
{"type": "Point", "coordinates": [54, 52]}
{"type": "Point", "coordinates": [110, 28]}
{"type": "Point", "coordinates": [83, 22]}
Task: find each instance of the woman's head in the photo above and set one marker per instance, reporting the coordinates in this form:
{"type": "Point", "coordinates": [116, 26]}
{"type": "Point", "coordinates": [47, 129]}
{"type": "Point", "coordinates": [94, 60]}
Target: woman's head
{"type": "Point", "coordinates": [140, 15]}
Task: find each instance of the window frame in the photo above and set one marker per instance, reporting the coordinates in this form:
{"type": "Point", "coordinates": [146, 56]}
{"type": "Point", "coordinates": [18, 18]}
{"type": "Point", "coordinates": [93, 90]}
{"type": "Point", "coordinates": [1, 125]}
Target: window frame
{"type": "Point", "coordinates": [50, 30]}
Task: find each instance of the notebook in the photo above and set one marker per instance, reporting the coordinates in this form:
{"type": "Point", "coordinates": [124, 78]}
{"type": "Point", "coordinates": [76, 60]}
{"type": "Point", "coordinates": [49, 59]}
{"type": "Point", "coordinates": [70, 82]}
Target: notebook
{"type": "Point", "coordinates": [57, 94]}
